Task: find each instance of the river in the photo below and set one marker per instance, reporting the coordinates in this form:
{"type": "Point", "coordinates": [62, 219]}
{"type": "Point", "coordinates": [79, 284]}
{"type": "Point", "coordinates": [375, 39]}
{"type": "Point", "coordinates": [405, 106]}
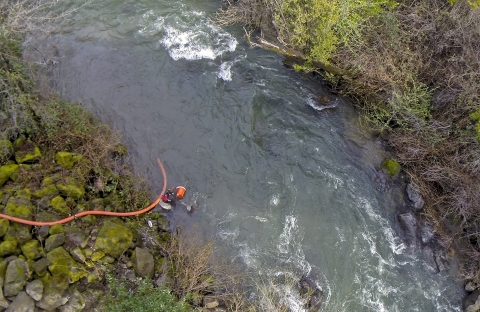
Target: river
{"type": "Point", "coordinates": [279, 183]}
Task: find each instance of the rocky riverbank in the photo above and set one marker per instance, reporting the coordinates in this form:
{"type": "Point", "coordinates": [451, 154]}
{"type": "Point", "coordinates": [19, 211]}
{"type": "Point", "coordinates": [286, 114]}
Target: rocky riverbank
{"type": "Point", "coordinates": [60, 266]}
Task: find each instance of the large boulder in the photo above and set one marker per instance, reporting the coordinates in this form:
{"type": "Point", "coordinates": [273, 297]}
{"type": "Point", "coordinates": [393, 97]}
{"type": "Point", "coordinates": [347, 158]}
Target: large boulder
{"type": "Point", "coordinates": [143, 263]}
{"type": "Point", "coordinates": [114, 239]}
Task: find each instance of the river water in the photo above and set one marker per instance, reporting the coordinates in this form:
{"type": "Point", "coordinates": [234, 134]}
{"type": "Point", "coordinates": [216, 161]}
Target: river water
{"type": "Point", "coordinates": [279, 183]}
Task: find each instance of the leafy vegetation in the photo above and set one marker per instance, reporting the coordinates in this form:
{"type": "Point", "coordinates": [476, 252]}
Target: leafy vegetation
{"type": "Point", "coordinates": [140, 296]}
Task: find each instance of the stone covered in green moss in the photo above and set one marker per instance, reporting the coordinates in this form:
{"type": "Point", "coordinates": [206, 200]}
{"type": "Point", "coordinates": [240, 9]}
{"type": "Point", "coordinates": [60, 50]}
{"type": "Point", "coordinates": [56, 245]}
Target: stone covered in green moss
{"type": "Point", "coordinates": [391, 166]}
{"type": "Point", "coordinates": [97, 255]}
{"type": "Point", "coordinates": [6, 172]}
{"type": "Point", "coordinates": [56, 229]}
{"type": "Point", "coordinates": [21, 233]}
{"type": "Point", "coordinates": [8, 247]}
{"type": "Point", "coordinates": [50, 190]}
{"type": "Point", "coordinates": [51, 179]}
{"type": "Point", "coordinates": [4, 223]}
{"type": "Point", "coordinates": [67, 160]}
{"type": "Point", "coordinates": [63, 263]}
{"type": "Point", "coordinates": [71, 188]}
{"type": "Point", "coordinates": [32, 249]}
{"type": "Point", "coordinates": [28, 152]}
{"type": "Point", "coordinates": [6, 150]}
{"type": "Point", "coordinates": [20, 205]}
{"type": "Point", "coordinates": [59, 205]}
{"type": "Point", "coordinates": [114, 239]}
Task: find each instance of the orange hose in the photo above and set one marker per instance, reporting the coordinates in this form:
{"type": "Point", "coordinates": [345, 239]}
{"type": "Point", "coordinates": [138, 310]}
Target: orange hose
{"type": "Point", "coordinates": [95, 212]}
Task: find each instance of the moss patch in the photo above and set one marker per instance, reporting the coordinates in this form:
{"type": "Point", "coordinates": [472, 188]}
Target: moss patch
{"type": "Point", "coordinates": [63, 263]}
{"type": "Point", "coordinates": [6, 172]}
{"type": "Point", "coordinates": [391, 167]}
{"type": "Point", "coordinates": [114, 239]}
{"type": "Point", "coordinates": [28, 152]}
{"type": "Point", "coordinates": [67, 160]}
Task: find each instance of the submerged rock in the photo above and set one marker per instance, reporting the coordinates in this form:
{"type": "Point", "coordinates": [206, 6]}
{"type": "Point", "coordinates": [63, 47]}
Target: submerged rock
{"type": "Point", "coordinates": [311, 293]}
{"type": "Point", "coordinates": [409, 224]}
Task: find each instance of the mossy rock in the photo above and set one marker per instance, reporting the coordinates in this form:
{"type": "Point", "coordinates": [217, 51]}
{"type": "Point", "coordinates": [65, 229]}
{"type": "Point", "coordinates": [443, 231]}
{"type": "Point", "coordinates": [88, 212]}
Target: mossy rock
{"type": "Point", "coordinates": [20, 207]}
{"type": "Point", "coordinates": [6, 150]}
{"type": "Point", "coordinates": [21, 233]}
{"type": "Point", "coordinates": [71, 188]}
{"type": "Point", "coordinates": [6, 172]}
{"type": "Point", "coordinates": [51, 180]}
{"type": "Point", "coordinates": [19, 142]}
{"type": "Point", "coordinates": [27, 153]}
{"type": "Point", "coordinates": [97, 255]}
{"type": "Point", "coordinates": [4, 224]}
{"type": "Point", "coordinates": [32, 249]}
{"type": "Point", "coordinates": [50, 190]}
{"type": "Point", "coordinates": [56, 229]}
{"type": "Point", "coordinates": [67, 160]}
{"type": "Point", "coordinates": [391, 167]}
{"type": "Point", "coordinates": [45, 216]}
{"type": "Point", "coordinates": [96, 204]}
{"type": "Point", "coordinates": [114, 239]}
{"type": "Point", "coordinates": [63, 263]}
{"type": "Point", "coordinates": [59, 205]}
{"type": "Point", "coordinates": [8, 247]}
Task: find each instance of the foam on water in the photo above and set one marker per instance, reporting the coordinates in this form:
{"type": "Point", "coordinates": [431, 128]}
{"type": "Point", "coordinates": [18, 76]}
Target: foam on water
{"type": "Point", "coordinates": [225, 72]}
{"type": "Point", "coordinates": [203, 41]}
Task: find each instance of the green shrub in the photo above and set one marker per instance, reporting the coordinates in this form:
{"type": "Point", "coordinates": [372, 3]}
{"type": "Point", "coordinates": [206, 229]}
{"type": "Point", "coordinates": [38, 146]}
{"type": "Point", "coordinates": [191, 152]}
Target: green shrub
{"type": "Point", "coordinates": [141, 297]}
